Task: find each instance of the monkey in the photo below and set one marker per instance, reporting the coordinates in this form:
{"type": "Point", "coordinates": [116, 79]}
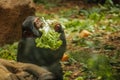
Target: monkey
{"type": "Point", "coordinates": [28, 52]}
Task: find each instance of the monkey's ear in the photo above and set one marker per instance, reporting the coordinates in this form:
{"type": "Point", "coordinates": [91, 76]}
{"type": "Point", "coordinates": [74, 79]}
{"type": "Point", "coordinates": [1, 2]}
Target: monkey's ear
{"type": "Point", "coordinates": [58, 28]}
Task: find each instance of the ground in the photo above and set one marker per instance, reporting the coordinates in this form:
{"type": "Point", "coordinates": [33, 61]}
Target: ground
{"type": "Point", "coordinates": [75, 70]}
{"type": "Point", "coordinates": [107, 43]}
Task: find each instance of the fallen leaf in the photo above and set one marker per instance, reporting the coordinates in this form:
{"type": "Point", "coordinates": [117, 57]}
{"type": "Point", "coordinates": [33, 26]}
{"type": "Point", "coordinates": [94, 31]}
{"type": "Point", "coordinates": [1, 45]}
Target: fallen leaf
{"type": "Point", "coordinates": [65, 57]}
{"type": "Point", "coordinates": [84, 33]}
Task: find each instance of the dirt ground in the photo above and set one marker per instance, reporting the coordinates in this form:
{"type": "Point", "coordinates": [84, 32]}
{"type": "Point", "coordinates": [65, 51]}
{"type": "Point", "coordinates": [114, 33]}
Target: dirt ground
{"type": "Point", "coordinates": [76, 68]}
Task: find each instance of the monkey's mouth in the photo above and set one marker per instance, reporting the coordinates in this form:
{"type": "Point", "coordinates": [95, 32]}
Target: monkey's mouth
{"type": "Point", "coordinates": [50, 38]}
{"type": "Point", "coordinates": [45, 26]}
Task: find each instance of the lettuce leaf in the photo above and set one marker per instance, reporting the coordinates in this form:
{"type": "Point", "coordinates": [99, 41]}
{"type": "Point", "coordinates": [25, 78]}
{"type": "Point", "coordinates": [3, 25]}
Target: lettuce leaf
{"type": "Point", "coordinates": [49, 40]}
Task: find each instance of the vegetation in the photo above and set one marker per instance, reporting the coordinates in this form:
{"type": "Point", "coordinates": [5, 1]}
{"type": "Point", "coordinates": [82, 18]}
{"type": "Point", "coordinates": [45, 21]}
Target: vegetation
{"type": "Point", "coordinates": [9, 51]}
{"type": "Point", "coordinates": [50, 38]}
{"type": "Point", "coordinates": [92, 57]}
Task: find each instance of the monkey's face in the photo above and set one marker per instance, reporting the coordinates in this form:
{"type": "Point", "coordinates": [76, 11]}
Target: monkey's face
{"type": "Point", "coordinates": [37, 23]}
{"type": "Point", "coordinates": [31, 25]}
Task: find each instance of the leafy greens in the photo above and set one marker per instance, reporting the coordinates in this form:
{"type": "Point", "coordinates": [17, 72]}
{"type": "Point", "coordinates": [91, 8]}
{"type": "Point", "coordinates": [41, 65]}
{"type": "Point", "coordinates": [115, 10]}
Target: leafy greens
{"type": "Point", "coordinates": [49, 39]}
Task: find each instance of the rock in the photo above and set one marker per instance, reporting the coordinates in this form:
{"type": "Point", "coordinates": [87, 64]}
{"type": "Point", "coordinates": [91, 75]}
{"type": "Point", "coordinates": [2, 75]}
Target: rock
{"type": "Point", "coordinates": [12, 70]}
{"type": "Point", "coordinates": [12, 14]}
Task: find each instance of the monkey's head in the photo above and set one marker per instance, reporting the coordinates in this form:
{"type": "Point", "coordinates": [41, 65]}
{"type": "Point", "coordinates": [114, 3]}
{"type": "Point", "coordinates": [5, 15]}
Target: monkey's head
{"type": "Point", "coordinates": [30, 26]}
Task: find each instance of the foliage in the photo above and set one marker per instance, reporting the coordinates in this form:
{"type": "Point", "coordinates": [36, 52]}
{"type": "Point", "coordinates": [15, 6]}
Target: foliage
{"type": "Point", "coordinates": [102, 21]}
{"type": "Point", "coordinates": [100, 66]}
{"type": "Point", "coordinates": [91, 11]}
{"type": "Point", "coordinates": [80, 56]}
{"type": "Point", "coordinates": [79, 25]}
{"type": "Point", "coordinates": [96, 19]}
{"type": "Point", "coordinates": [79, 78]}
{"type": "Point", "coordinates": [69, 13]}
{"type": "Point", "coordinates": [9, 51]}
{"type": "Point", "coordinates": [49, 39]}
{"type": "Point", "coordinates": [67, 74]}
{"type": "Point", "coordinates": [109, 3]}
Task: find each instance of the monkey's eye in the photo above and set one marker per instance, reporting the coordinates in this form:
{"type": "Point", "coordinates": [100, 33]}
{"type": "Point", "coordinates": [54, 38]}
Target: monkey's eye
{"type": "Point", "coordinates": [38, 23]}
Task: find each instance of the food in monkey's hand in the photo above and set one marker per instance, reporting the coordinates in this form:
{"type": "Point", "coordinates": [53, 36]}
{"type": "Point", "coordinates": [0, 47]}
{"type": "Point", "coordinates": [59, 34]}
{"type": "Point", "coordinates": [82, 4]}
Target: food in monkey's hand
{"type": "Point", "coordinates": [50, 38]}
